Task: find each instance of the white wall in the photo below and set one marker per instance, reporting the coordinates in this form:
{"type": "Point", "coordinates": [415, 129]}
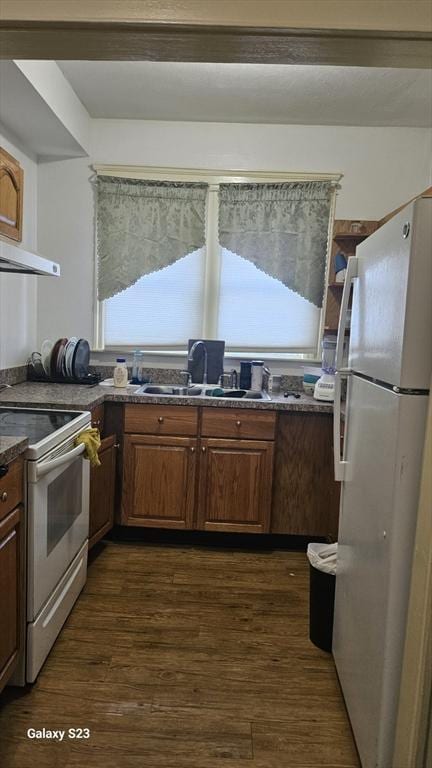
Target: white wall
{"type": "Point", "coordinates": [66, 229]}
{"type": "Point", "coordinates": [18, 292]}
{"type": "Point", "coordinates": [382, 167]}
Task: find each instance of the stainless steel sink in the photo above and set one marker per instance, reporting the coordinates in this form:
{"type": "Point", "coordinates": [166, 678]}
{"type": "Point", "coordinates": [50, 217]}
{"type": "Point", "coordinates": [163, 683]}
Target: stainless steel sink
{"type": "Point", "coordinates": [162, 389]}
{"type": "Point", "coordinates": [257, 395]}
{"type": "Point", "coordinates": [238, 394]}
{"type": "Point", "coordinates": [197, 390]}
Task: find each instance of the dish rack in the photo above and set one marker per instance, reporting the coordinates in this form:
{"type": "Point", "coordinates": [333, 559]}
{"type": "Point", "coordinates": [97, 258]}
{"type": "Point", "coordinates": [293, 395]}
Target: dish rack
{"type": "Point", "coordinates": [90, 379]}
{"type": "Point", "coordinates": [64, 362]}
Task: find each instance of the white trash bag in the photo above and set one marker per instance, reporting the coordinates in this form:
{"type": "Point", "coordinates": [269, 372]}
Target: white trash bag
{"type": "Point", "coordinates": [323, 557]}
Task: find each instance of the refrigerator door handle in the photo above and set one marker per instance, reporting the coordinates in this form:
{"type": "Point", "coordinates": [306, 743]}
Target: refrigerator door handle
{"type": "Point", "coordinates": [339, 463]}
{"type": "Point", "coordinates": [351, 273]}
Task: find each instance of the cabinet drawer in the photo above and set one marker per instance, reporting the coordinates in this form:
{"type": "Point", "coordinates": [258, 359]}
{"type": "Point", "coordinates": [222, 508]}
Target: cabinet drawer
{"type": "Point", "coordinates": [161, 419]}
{"type": "Point", "coordinates": [11, 488]}
{"type": "Point", "coordinates": [238, 423]}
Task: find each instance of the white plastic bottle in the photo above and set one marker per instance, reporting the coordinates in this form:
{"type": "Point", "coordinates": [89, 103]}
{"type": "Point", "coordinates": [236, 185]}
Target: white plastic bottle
{"type": "Point", "coordinates": [121, 373]}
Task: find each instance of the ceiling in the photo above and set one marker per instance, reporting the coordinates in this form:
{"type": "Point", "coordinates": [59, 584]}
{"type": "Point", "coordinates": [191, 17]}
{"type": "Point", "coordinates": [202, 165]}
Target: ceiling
{"type": "Point", "coordinates": [253, 93]}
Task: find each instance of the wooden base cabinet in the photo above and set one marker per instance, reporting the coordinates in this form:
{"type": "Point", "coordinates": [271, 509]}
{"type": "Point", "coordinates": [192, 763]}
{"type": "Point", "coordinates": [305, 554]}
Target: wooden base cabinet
{"type": "Point", "coordinates": [188, 468]}
{"type": "Point", "coordinates": [10, 593]}
{"type": "Point", "coordinates": [102, 491]}
{"type": "Point", "coordinates": [11, 568]}
{"type": "Point", "coordinates": [235, 485]}
{"type": "Point", "coordinates": [159, 481]}
{"type": "Point", "coordinates": [305, 494]}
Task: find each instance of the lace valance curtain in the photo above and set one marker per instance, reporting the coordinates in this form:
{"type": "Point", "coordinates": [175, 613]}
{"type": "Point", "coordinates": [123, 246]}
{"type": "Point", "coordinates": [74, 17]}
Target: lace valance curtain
{"type": "Point", "coordinates": [144, 226]}
{"type": "Point", "coordinates": [282, 229]}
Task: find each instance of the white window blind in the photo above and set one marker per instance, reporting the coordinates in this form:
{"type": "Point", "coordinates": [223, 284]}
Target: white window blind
{"type": "Point", "coordinates": [256, 310]}
{"type": "Point", "coordinates": [164, 308]}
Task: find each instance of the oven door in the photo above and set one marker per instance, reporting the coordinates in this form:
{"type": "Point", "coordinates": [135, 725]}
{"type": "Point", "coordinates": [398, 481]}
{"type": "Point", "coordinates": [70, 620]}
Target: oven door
{"type": "Point", "coordinates": [58, 519]}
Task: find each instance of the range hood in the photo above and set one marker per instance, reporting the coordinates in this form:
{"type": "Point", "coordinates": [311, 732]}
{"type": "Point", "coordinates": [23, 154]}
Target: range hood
{"type": "Point", "coordinates": [16, 259]}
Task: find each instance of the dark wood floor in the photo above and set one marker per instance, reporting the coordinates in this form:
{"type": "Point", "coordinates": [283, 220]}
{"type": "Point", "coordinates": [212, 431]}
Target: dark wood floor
{"type": "Point", "coordinates": [185, 658]}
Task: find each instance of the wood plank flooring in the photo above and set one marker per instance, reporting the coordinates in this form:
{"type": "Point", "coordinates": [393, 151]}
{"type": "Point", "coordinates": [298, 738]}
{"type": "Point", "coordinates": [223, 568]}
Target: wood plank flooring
{"type": "Point", "coordinates": [185, 658]}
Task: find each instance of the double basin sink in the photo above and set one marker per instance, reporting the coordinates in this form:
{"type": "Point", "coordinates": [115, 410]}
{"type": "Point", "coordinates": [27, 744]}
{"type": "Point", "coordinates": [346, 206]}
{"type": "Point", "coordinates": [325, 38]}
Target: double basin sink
{"type": "Point", "coordinates": [205, 390]}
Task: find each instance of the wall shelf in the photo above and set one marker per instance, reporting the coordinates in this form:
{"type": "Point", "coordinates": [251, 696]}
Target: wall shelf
{"type": "Point", "coordinates": [351, 236]}
{"type": "Point", "coordinates": [344, 239]}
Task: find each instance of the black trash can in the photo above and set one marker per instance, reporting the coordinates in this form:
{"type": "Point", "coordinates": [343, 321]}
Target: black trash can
{"type": "Point", "coordinates": [321, 600]}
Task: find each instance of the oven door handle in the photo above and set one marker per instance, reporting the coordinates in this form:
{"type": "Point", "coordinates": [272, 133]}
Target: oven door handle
{"type": "Point", "coordinates": [48, 466]}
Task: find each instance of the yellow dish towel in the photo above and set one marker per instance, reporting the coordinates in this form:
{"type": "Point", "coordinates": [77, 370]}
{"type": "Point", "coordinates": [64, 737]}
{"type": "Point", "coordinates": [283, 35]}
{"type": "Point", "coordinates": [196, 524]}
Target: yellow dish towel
{"type": "Point", "coordinates": [92, 441]}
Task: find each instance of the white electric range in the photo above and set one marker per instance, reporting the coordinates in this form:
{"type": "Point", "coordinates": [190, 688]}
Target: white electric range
{"type": "Point", "coordinates": [57, 522]}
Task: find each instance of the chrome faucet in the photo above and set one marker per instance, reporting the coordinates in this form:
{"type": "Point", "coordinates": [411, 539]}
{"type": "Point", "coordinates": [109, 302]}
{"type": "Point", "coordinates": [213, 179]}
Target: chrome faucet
{"type": "Point", "coordinates": [231, 377]}
{"type": "Point", "coordinates": [191, 356]}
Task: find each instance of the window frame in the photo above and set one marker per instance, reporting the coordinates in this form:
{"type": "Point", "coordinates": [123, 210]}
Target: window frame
{"type": "Point", "coordinates": [212, 269]}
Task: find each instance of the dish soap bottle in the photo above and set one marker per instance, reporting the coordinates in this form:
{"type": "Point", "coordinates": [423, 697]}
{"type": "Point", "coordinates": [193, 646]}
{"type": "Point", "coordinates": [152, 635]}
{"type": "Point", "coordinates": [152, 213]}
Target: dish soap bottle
{"type": "Point", "coordinates": [121, 373]}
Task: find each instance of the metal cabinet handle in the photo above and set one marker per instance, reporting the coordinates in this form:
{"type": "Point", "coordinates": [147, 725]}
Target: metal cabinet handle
{"type": "Point", "coordinates": [4, 496]}
{"type": "Point", "coordinates": [203, 449]}
{"type": "Point", "coordinates": [192, 449]}
{"type": "Point", "coordinates": [96, 423]}
{"type": "Point", "coordinates": [238, 423]}
{"type": "Point", "coordinates": [160, 419]}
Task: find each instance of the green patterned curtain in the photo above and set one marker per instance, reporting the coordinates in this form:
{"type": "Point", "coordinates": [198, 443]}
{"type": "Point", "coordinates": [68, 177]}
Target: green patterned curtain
{"type": "Point", "coordinates": [282, 229]}
{"type": "Point", "coordinates": [144, 226]}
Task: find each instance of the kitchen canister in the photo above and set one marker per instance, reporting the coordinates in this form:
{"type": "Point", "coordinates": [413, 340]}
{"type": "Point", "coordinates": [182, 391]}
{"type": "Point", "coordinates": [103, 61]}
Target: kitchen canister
{"type": "Point", "coordinates": [245, 374]}
{"type": "Point", "coordinates": [257, 375]}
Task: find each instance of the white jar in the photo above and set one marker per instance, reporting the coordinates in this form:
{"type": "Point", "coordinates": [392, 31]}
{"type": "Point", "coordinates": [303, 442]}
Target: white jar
{"type": "Point", "coordinates": [121, 373]}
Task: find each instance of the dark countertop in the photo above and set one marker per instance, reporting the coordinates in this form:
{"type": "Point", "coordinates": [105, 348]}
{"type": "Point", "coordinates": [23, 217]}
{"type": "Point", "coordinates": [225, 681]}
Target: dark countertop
{"type": "Point", "coordinates": [75, 397]}
{"type": "Point", "coordinates": [11, 447]}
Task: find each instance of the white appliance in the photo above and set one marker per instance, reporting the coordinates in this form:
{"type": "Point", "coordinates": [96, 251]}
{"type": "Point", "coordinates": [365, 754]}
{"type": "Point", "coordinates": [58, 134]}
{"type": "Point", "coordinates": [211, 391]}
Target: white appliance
{"type": "Point", "coordinates": [325, 386]}
{"type": "Point", "coordinates": [57, 524]}
{"type": "Point", "coordinates": [389, 371]}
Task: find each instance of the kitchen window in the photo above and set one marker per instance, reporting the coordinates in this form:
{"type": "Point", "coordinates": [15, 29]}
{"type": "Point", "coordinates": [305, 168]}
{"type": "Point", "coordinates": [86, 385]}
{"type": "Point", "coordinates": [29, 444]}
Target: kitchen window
{"type": "Point", "coordinates": [214, 291]}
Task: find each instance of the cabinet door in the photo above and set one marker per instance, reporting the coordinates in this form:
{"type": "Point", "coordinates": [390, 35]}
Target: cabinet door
{"type": "Point", "coordinates": [11, 196]}
{"type": "Point", "coordinates": [305, 494]}
{"type": "Point", "coordinates": [10, 593]}
{"type": "Point", "coordinates": [97, 418]}
{"type": "Point", "coordinates": [235, 485]}
{"type": "Point", "coordinates": [158, 481]}
{"type": "Point", "coordinates": [102, 490]}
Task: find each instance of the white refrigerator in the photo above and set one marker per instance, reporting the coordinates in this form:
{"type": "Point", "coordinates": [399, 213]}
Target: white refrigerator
{"type": "Point", "coordinates": [388, 376]}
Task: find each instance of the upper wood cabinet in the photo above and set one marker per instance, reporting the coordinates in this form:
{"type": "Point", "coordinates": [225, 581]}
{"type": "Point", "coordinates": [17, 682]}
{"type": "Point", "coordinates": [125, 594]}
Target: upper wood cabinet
{"type": "Point", "coordinates": [158, 481]}
{"type": "Point", "coordinates": [305, 494]}
{"type": "Point", "coordinates": [235, 485]}
{"type": "Point", "coordinates": [11, 196]}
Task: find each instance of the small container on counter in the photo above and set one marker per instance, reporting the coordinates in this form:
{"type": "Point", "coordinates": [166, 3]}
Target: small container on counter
{"type": "Point", "coordinates": [137, 367]}
{"type": "Point", "coordinates": [257, 375]}
{"type": "Point", "coordinates": [275, 384]}
{"type": "Point", "coordinates": [309, 381]}
{"type": "Point", "coordinates": [245, 374]}
{"type": "Point", "coordinates": [120, 373]}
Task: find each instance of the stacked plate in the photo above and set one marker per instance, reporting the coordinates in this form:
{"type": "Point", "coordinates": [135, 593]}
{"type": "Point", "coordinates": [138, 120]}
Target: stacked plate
{"type": "Point", "coordinates": [64, 359]}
